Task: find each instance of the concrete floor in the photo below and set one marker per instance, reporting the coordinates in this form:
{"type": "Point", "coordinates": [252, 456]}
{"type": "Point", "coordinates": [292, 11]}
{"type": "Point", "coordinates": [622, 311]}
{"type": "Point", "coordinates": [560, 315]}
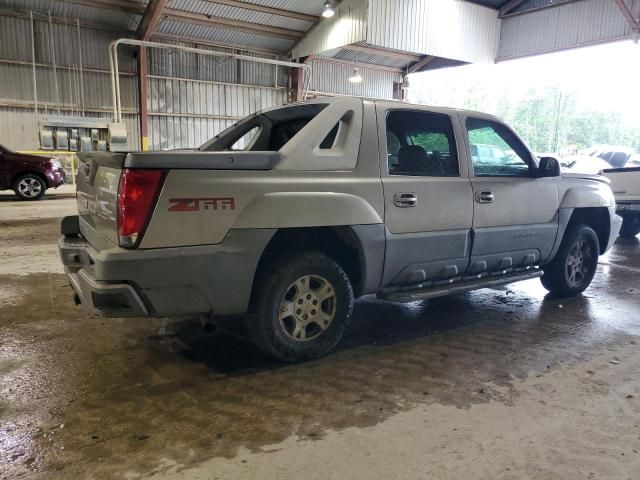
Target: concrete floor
{"type": "Point", "coordinates": [496, 384]}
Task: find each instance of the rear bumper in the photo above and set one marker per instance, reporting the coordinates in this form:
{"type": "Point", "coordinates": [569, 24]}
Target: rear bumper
{"type": "Point", "coordinates": [117, 299]}
{"type": "Point", "coordinates": [165, 282]}
{"type": "Point", "coordinates": [55, 178]}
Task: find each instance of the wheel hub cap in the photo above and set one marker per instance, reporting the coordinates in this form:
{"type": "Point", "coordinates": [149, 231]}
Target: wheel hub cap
{"type": "Point", "coordinates": [29, 187]}
{"type": "Point", "coordinates": [307, 308]}
{"type": "Point", "coordinates": [579, 263]}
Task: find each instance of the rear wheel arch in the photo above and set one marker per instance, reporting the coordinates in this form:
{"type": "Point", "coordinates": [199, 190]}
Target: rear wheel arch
{"type": "Point", "coordinates": [340, 243]}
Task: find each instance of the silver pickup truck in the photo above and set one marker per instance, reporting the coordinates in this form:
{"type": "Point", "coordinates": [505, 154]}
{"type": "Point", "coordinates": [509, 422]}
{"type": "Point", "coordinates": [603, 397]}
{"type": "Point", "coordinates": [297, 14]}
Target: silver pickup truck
{"type": "Point", "coordinates": [287, 216]}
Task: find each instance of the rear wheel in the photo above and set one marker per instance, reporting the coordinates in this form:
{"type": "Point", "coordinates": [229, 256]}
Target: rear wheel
{"type": "Point", "coordinates": [29, 187]}
{"type": "Point", "coordinates": [574, 266]}
{"type": "Point", "coordinates": [630, 227]}
{"type": "Point", "coordinates": [302, 307]}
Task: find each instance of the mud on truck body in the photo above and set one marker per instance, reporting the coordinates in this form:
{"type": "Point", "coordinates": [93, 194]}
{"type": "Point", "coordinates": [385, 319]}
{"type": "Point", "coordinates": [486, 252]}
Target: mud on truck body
{"type": "Point", "coordinates": [287, 216]}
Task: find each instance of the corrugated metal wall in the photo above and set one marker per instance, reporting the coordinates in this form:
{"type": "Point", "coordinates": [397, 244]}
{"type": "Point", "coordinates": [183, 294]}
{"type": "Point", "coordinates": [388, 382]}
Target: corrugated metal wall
{"type": "Point", "coordinates": [455, 29]}
{"type": "Point", "coordinates": [190, 97]}
{"type": "Point", "coordinates": [333, 78]}
{"type": "Point", "coordinates": [348, 25]}
{"type": "Point", "coordinates": [193, 97]}
{"type": "Point", "coordinates": [186, 113]}
{"type": "Point", "coordinates": [562, 27]}
{"type": "Point", "coordinates": [17, 120]}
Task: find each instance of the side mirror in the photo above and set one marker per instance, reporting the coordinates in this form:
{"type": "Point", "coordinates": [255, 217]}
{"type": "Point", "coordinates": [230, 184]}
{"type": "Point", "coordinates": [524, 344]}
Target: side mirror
{"type": "Point", "coordinates": [549, 167]}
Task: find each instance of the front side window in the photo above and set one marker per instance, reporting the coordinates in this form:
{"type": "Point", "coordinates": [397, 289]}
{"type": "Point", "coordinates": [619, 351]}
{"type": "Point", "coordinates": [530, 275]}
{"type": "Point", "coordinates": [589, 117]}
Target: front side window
{"type": "Point", "coordinates": [495, 150]}
{"type": "Point", "coordinates": [421, 144]}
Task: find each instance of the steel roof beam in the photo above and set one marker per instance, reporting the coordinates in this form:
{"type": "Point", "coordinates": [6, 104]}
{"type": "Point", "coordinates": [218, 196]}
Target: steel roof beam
{"type": "Point", "coordinates": [271, 10]}
{"type": "Point", "coordinates": [119, 5]}
{"type": "Point", "coordinates": [556, 3]}
{"type": "Point", "coordinates": [385, 53]}
{"type": "Point", "coordinates": [196, 18]}
{"type": "Point", "coordinates": [150, 19]}
{"type": "Point", "coordinates": [508, 7]}
{"type": "Point", "coordinates": [204, 42]}
{"type": "Point", "coordinates": [631, 20]}
{"type": "Point", "coordinates": [422, 63]}
{"type": "Point", "coordinates": [228, 24]}
{"type": "Point", "coordinates": [365, 66]}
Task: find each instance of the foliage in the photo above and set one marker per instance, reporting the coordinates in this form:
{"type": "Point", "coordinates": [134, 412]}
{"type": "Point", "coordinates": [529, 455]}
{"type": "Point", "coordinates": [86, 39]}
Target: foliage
{"type": "Point", "coordinates": [547, 118]}
{"type": "Point", "coordinates": [432, 142]}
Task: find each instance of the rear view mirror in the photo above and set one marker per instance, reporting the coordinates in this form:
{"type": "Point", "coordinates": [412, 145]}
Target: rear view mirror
{"type": "Point", "coordinates": [549, 167]}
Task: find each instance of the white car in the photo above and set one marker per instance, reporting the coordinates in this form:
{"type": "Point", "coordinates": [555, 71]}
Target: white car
{"type": "Point", "coordinates": [583, 164]}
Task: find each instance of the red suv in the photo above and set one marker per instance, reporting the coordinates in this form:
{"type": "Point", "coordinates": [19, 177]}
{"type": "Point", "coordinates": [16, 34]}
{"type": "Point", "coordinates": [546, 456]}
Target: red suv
{"type": "Point", "coordinates": [29, 175]}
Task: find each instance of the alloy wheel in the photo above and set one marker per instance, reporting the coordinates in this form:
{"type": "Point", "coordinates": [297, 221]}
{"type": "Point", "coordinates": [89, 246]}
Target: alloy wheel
{"type": "Point", "coordinates": [307, 308]}
{"type": "Point", "coordinates": [29, 187]}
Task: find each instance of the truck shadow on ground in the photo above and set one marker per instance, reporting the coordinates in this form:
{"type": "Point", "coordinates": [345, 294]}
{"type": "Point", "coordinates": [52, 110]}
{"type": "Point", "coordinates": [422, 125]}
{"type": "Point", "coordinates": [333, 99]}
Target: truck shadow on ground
{"type": "Point", "coordinates": [377, 324]}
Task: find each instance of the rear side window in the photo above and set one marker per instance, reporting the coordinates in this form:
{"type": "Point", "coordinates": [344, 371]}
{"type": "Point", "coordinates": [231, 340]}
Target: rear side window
{"type": "Point", "coordinates": [421, 144]}
{"type": "Point", "coordinates": [269, 131]}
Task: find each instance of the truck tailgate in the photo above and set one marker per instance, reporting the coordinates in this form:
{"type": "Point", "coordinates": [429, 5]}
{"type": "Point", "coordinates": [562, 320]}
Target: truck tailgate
{"type": "Point", "coordinates": [97, 192]}
{"type": "Point", "coordinates": [625, 183]}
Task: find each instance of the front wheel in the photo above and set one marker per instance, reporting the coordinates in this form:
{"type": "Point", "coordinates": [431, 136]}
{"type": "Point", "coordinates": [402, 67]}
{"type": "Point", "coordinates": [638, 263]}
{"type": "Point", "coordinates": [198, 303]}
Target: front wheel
{"type": "Point", "coordinates": [29, 187]}
{"type": "Point", "coordinates": [302, 307]}
{"type": "Point", "coordinates": [574, 266]}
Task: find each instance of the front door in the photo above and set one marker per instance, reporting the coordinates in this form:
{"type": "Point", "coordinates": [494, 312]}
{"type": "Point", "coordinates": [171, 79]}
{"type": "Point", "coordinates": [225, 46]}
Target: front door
{"type": "Point", "coordinates": [515, 212]}
{"type": "Point", "coordinates": [427, 192]}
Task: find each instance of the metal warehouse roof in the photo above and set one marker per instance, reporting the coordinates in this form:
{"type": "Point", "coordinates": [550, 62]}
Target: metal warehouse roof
{"type": "Point", "coordinates": [271, 26]}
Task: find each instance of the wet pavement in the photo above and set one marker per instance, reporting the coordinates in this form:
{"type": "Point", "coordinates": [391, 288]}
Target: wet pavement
{"type": "Point", "coordinates": [86, 397]}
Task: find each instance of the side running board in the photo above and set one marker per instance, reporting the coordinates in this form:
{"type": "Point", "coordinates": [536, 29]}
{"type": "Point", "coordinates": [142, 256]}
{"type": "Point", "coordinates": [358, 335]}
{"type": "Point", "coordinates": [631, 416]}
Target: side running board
{"type": "Point", "coordinates": [459, 285]}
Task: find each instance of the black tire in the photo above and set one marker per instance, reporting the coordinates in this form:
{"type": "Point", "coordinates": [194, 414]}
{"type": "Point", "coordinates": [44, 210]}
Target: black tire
{"type": "Point", "coordinates": [277, 293]}
{"type": "Point", "coordinates": [29, 187]}
{"type": "Point", "coordinates": [630, 227]}
{"type": "Point", "coordinates": [574, 266]}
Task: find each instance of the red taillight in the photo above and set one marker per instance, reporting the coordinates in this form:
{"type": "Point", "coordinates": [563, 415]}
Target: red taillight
{"type": "Point", "coordinates": [137, 195]}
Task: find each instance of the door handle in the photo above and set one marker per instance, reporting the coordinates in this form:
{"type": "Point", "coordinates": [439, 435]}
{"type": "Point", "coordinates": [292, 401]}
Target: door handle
{"type": "Point", "coordinates": [405, 200]}
{"type": "Point", "coordinates": [484, 196]}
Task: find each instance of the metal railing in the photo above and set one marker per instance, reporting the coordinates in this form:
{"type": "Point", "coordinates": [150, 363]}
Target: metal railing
{"type": "Point", "coordinates": [115, 75]}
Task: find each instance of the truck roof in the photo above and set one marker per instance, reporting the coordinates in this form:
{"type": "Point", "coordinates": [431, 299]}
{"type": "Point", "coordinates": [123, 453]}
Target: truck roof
{"type": "Point", "coordinates": [395, 104]}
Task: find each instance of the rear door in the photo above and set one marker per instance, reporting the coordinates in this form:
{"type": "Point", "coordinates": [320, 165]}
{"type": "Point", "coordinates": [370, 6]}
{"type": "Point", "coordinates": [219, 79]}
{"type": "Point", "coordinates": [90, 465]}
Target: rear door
{"type": "Point", "coordinates": [514, 212]}
{"type": "Point", "coordinates": [427, 195]}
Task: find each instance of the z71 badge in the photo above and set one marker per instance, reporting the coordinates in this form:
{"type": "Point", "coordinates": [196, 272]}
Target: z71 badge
{"type": "Point", "coordinates": [198, 204]}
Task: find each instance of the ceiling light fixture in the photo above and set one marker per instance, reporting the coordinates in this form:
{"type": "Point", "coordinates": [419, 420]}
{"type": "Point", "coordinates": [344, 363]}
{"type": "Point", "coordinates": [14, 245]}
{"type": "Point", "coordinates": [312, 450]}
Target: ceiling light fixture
{"type": "Point", "coordinates": [355, 76]}
{"type": "Point", "coordinates": [329, 10]}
